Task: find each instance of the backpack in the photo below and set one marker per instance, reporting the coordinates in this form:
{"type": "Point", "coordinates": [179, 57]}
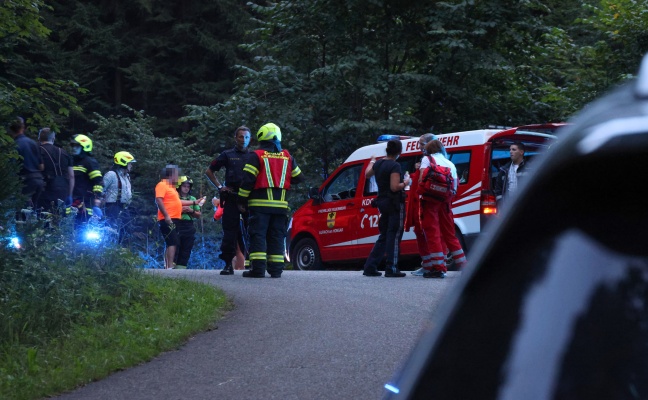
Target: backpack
{"type": "Point", "coordinates": [437, 182]}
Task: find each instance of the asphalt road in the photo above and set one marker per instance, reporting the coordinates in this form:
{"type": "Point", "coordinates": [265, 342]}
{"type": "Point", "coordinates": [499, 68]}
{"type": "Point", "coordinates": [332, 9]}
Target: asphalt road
{"type": "Point", "coordinates": [308, 335]}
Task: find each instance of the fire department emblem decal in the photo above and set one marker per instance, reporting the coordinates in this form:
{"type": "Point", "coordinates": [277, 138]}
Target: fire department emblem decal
{"type": "Point", "coordinates": [330, 221]}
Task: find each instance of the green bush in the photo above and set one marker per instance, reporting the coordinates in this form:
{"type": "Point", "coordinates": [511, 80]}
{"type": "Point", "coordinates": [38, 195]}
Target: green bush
{"type": "Point", "coordinates": [53, 283]}
{"type": "Point", "coordinates": [71, 313]}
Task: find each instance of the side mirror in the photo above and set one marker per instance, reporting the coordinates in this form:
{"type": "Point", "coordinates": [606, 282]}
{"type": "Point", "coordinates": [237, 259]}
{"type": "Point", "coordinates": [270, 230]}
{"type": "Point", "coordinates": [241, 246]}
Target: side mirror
{"type": "Point", "coordinates": [313, 193]}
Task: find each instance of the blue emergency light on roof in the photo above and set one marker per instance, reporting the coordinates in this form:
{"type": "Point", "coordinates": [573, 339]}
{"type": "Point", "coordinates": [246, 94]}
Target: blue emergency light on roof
{"type": "Point", "coordinates": [386, 138]}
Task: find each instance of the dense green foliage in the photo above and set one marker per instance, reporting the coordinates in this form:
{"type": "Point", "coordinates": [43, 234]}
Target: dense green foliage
{"type": "Point", "coordinates": [332, 74]}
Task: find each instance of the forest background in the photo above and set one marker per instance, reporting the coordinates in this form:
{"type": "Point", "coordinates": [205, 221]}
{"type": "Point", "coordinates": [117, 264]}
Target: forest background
{"type": "Point", "coordinates": [169, 81]}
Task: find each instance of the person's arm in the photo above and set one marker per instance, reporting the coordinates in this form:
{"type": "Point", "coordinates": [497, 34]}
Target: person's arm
{"type": "Point", "coordinates": [211, 177]}
{"type": "Point", "coordinates": [369, 172]}
{"type": "Point", "coordinates": [96, 178]}
{"type": "Point", "coordinates": [197, 202]}
{"type": "Point", "coordinates": [296, 175]}
{"type": "Point", "coordinates": [215, 166]}
{"type": "Point", "coordinates": [160, 204]}
{"type": "Point", "coordinates": [195, 210]}
{"type": "Point", "coordinates": [395, 184]}
{"type": "Point", "coordinates": [41, 163]}
{"type": "Point", "coordinates": [250, 173]}
{"type": "Point", "coordinates": [71, 180]}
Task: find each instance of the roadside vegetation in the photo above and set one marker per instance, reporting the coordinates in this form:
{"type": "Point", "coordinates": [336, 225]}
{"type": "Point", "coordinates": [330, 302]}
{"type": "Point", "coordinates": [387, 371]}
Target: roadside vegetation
{"type": "Point", "coordinates": [71, 313]}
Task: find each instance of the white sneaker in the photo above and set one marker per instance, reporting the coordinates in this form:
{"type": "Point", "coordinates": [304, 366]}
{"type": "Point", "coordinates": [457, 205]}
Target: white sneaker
{"type": "Point", "coordinates": [418, 272]}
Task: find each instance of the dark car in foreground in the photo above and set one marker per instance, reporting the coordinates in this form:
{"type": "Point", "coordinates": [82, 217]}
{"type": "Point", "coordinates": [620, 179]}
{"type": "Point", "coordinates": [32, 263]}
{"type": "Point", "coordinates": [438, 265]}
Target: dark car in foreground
{"type": "Point", "coordinates": [555, 302]}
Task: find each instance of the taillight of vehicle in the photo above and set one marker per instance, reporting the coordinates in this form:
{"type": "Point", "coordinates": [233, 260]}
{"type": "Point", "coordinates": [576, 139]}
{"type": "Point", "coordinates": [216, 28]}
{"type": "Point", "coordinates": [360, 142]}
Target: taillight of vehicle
{"type": "Point", "coordinates": [488, 203]}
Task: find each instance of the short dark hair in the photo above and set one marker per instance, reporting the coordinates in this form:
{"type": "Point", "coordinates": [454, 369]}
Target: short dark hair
{"type": "Point", "coordinates": [46, 134]}
{"type": "Point", "coordinates": [520, 146]}
{"type": "Point", "coordinates": [242, 128]}
{"type": "Point", "coordinates": [17, 124]}
{"type": "Point", "coordinates": [394, 147]}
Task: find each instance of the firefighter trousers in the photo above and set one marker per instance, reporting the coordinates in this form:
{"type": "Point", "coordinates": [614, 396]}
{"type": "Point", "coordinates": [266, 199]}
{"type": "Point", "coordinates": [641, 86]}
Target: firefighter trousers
{"type": "Point", "coordinates": [267, 242]}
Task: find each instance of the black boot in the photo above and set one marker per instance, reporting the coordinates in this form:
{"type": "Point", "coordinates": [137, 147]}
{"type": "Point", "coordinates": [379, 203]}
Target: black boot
{"type": "Point", "coordinates": [371, 272]}
{"type": "Point", "coordinates": [228, 270]}
{"type": "Point", "coordinates": [393, 272]}
{"type": "Point", "coordinates": [253, 274]}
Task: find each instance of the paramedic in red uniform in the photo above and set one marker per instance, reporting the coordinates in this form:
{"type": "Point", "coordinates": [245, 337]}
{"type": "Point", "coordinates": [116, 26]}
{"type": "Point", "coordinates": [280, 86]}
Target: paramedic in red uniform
{"type": "Point", "coordinates": [437, 221]}
{"type": "Point", "coordinates": [267, 176]}
{"type": "Point", "coordinates": [412, 213]}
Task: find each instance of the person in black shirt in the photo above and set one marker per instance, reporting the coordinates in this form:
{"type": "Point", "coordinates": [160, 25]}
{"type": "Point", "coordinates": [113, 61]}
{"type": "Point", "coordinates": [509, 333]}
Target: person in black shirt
{"type": "Point", "coordinates": [233, 160]}
{"type": "Point", "coordinates": [32, 163]}
{"type": "Point", "coordinates": [58, 172]}
{"type": "Point", "coordinates": [391, 205]}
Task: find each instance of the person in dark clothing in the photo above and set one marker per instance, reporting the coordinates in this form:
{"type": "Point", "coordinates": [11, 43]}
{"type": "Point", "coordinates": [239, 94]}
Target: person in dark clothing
{"type": "Point", "coordinates": [185, 226]}
{"type": "Point", "coordinates": [32, 163]}
{"type": "Point", "coordinates": [88, 180]}
{"type": "Point", "coordinates": [509, 174]}
{"type": "Point", "coordinates": [233, 161]}
{"type": "Point", "coordinates": [391, 205]}
{"type": "Point", "coordinates": [58, 173]}
{"type": "Point", "coordinates": [268, 174]}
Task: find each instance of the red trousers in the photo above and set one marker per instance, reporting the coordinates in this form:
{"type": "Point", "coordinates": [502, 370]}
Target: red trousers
{"type": "Point", "coordinates": [437, 223]}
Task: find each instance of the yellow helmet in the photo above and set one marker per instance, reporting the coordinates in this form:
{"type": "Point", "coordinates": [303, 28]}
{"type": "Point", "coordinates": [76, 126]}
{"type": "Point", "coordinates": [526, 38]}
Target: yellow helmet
{"type": "Point", "coordinates": [269, 131]}
{"type": "Point", "coordinates": [123, 158]}
{"type": "Point", "coordinates": [184, 179]}
{"type": "Point", "coordinates": [84, 141]}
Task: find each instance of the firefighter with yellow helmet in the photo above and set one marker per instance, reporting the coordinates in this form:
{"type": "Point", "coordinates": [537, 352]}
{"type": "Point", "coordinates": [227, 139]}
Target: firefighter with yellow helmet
{"type": "Point", "coordinates": [267, 176]}
{"type": "Point", "coordinates": [88, 180]}
{"type": "Point", "coordinates": [118, 191]}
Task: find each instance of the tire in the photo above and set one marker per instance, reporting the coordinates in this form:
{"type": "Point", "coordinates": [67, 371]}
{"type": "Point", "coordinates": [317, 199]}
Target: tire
{"type": "Point", "coordinates": [306, 256]}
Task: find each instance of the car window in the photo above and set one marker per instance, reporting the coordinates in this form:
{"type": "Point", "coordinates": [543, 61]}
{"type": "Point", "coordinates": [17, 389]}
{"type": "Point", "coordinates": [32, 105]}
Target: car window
{"type": "Point", "coordinates": [343, 186]}
{"type": "Point", "coordinates": [461, 160]}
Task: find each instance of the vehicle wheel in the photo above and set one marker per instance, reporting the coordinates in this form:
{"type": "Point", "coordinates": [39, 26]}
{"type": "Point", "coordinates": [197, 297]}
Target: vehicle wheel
{"type": "Point", "coordinates": [306, 255]}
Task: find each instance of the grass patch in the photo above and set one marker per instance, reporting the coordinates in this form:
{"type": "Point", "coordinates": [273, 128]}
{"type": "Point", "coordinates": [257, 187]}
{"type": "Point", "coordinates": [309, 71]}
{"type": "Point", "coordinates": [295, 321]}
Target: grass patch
{"type": "Point", "coordinates": [168, 312]}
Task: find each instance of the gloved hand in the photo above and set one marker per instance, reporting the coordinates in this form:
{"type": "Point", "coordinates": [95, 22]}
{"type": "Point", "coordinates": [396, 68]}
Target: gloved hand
{"type": "Point", "coordinates": [96, 212]}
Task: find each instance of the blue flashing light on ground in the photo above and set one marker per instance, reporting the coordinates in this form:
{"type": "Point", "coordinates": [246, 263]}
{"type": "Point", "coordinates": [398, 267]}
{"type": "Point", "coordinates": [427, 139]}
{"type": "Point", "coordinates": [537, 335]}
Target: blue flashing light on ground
{"type": "Point", "coordinates": [391, 388]}
{"type": "Point", "coordinates": [14, 242]}
{"type": "Point", "coordinates": [92, 235]}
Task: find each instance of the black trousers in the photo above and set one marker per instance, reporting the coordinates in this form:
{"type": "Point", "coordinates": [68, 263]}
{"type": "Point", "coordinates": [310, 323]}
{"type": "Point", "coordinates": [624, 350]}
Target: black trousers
{"type": "Point", "coordinates": [56, 188]}
{"type": "Point", "coordinates": [267, 241]}
{"type": "Point", "coordinates": [232, 234]}
{"type": "Point", "coordinates": [187, 233]}
{"type": "Point", "coordinates": [33, 186]}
